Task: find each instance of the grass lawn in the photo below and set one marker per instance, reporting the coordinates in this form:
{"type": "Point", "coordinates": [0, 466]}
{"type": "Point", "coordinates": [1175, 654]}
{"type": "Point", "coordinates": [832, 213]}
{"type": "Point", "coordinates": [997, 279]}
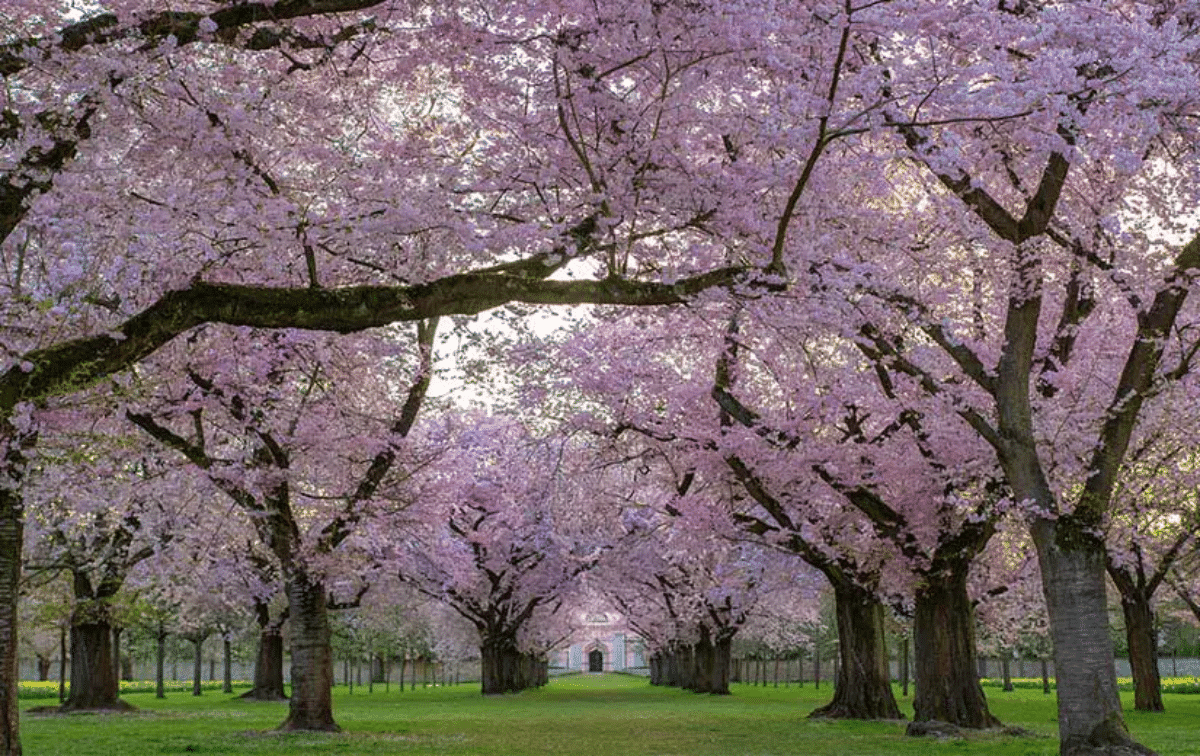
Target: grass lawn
{"type": "Point", "coordinates": [574, 716]}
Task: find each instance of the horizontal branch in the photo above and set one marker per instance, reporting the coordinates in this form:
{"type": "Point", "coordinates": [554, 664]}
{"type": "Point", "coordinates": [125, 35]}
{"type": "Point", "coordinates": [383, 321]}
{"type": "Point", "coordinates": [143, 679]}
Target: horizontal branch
{"type": "Point", "coordinates": [76, 364]}
{"type": "Point", "coordinates": [184, 26]}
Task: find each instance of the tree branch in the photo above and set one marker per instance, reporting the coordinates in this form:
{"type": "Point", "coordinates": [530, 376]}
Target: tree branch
{"type": "Point", "coordinates": [184, 26]}
{"type": "Point", "coordinates": [76, 364]}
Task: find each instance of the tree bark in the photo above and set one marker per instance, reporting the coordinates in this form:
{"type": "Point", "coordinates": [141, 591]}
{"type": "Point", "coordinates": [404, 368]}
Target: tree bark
{"type": "Point", "coordinates": [227, 656]}
{"type": "Point", "coordinates": [197, 663]}
{"type": "Point", "coordinates": [160, 660]}
{"type": "Point", "coordinates": [705, 666]}
{"type": "Point", "coordinates": [863, 689]}
{"type": "Point", "coordinates": [1142, 638]}
{"type": "Point", "coordinates": [504, 668]}
{"type": "Point", "coordinates": [268, 667]}
{"type": "Point", "coordinates": [722, 663]}
{"type": "Point", "coordinates": [93, 674]}
{"type": "Point", "coordinates": [62, 664]}
{"type": "Point", "coordinates": [43, 667]}
{"type": "Point", "coordinates": [1073, 581]}
{"type": "Point", "coordinates": [312, 655]}
{"type": "Point", "coordinates": [948, 688]}
{"type": "Point", "coordinates": [116, 653]}
{"type": "Point", "coordinates": [11, 529]}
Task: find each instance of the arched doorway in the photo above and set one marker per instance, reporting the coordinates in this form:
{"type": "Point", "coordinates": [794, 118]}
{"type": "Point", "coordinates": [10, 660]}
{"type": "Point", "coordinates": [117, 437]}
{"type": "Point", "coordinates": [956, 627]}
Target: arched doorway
{"type": "Point", "coordinates": [596, 661]}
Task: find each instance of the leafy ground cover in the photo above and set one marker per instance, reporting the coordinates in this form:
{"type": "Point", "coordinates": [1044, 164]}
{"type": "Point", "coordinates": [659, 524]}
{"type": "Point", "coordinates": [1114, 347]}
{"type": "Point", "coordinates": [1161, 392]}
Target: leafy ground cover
{"type": "Point", "coordinates": [1169, 684]}
{"type": "Point", "coordinates": [27, 689]}
{"type": "Point", "coordinates": [573, 716]}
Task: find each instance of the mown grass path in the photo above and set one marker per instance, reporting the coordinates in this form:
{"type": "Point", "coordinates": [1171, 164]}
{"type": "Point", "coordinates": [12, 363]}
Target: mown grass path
{"type": "Point", "coordinates": [598, 715]}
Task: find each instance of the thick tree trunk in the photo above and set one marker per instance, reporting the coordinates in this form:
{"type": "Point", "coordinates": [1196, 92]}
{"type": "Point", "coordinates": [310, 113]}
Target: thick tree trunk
{"type": "Point", "coordinates": [93, 674]}
{"type": "Point", "coordinates": [268, 667]}
{"type": "Point", "coordinates": [504, 668]}
{"type": "Point", "coordinates": [707, 662]}
{"type": "Point", "coordinates": [863, 689]}
{"type": "Point", "coordinates": [948, 688]}
{"type": "Point", "coordinates": [312, 656]}
{"type": "Point", "coordinates": [11, 527]}
{"type": "Point", "coordinates": [1073, 581]}
{"type": "Point", "coordinates": [116, 653]}
{"type": "Point", "coordinates": [685, 654]}
{"type": "Point", "coordinates": [722, 658]}
{"type": "Point", "coordinates": [43, 667]}
{"type": "Point", "coordinates": [703, 659]}
{"type": "Point", "coordinates": [1142, 637]}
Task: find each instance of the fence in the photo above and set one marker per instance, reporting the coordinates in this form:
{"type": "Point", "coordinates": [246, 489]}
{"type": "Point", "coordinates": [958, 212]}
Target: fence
{"type": "Point", "coordinates": [804, 671]}
{"type": "Point", "coordinates": [1168, 666]}
{"type": "Point", "coordinates": [426, 673]}
{"type": "Point", "coordinates": [356, 671]}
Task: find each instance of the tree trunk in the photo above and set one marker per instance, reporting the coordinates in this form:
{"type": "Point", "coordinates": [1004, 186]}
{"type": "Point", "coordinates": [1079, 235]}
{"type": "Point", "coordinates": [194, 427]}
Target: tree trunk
{"type": "Point", "coordinates": [1073, 581]}
{"type": "Point", "coordinates": [722, 658]}
{"type": "Point", "coordinates": [675, 664]}
{"type": "Point", "coordinates": [504, 668]}
{"type": "Point", "coordinates": [198, 664]}
{"type": "Point", "coordinates": [227, 656]}
{"type": "Point", "coordinates": [160, 661]}
{"type": "Point", "coordinates": [268, 667]}
{"type": "Point", "coordinates": [62, 664]}
{"type": "Point", "coordinates": [43, 667]}
{"type": "Point", "coordinates": [93, 674]}
{"type": "Point", "coordinates": [1142, 637]}
{"type": "Point", "coordinates": [948, 688]}
{"type": "Point", "coordinates": [816, 667]}
{"type": "Point", "coordinates": [709, 662]}
{"type": "Point", "coordinates": [1006, 671]}
{"type": "Point", "coordinates": [702, 661]}
{"type": "Point", "coordinates": [11, 528]}
{"type": "Point", "coordinates": [116, 654]}
{"type": "Point", "coordinates": [312, 656]}
{"type": "Point", "coordinates": [863, 689]}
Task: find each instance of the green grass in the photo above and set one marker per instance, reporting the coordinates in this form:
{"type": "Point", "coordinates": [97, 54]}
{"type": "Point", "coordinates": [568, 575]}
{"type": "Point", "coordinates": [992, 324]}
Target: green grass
{"type": "Point", "coordinates": [574, 716]}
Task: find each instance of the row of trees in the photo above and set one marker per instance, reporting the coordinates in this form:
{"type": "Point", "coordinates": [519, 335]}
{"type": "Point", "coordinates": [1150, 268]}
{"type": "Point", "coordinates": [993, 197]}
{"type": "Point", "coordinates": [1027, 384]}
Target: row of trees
{"type": "Point", "coordinates": [930, 265]}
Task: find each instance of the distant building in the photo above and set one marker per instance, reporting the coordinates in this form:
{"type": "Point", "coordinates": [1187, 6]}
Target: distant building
{"type": "Point", "coordinates": [603, 643]}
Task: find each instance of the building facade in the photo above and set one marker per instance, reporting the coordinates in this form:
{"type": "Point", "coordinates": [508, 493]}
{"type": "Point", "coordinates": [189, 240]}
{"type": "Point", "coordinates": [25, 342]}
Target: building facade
{"type": "Point", "coordinates": [603, 643]}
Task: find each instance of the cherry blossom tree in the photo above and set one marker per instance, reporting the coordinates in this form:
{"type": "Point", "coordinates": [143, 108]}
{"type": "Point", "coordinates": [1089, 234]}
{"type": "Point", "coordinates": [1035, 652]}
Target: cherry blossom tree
{"type": "Point", "coordinates": [923, 175]}
{"type": "Point", "coordinates": [688, 586]}
{"type": "Point", "coordinates": [1068, 219]}
{"type": "Point", "coordinates": [672, 371]}
{"type": "Point", "coordinates": [101, 511]}
{"type": "Point", "coordinates": [260, 434]}
{"type": "Point", "coordinates": [331, 222]}
{"type": "Point", "coordinates": [1153, 526]}
{"type": "Point", "coordinates": [499, 530]}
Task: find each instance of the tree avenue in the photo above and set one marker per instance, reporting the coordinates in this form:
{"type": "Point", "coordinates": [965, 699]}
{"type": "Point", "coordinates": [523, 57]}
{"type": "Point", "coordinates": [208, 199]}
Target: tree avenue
{"type": "Point", "coordinates": [969, 225]}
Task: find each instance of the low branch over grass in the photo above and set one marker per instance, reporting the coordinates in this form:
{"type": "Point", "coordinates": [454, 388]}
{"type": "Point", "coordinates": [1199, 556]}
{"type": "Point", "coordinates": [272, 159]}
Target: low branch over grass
{"type": "Point", "coordinates": [76, 364]}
